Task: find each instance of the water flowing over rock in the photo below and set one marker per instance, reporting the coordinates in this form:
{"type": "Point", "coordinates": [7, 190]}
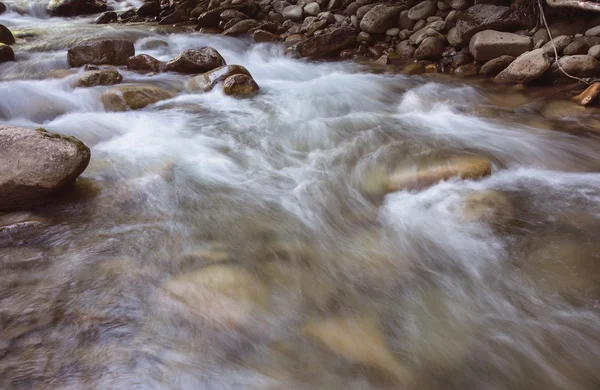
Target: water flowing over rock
{"type": "Point", "coordinates": [99, 77]}
{"type": "Point", "coordinates": [133, 97]}
{"type": "Point", "coordinates": [37, 163]}
{"type": "Point", "coordinates": [101, 52]}
{"type": "Point", "coordinates": [205, 82]}
{"type": "Point", "coordinates": [76, 7]}
{"type": "Point", "coordinates": [196, 61]}
{"type": "Point", "coordinates": [328, 44]}
{"type": "Point", "coordinates": [527, 67]}
{"type": "Point", "coordinates": [240, 86]}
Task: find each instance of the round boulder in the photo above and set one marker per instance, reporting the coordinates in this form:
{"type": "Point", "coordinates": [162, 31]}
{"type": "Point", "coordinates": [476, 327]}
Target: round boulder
{"type": "Point", "coordinates": [578, 66]}
{"type": "Point", "coordinates": [99, 77]}
{"type": "Point", "coordinates": [6, 36]}
{"type": "Point", "coordinates": [101, 52]}
{"type": "Point", "coordinates": [240, 86]}
{"type": "Point", "coordinates": [527, 67]}
{"type": "Point", "coordinates": [6, 53]}
{"type": "Point", "coordinates": [144, 63]}
{"type": "Point", "coordinates": [133, 97]}
{"type": "Point", "coordinates": [380, 18]}
{"type": "Point", "coordinates": [36, 163]}
{"type": "Point", "coordinates": [196, 61]}
{"type": "Point", "coordinates": [293, 13]}
{"type": "Point", "coordinates": [430, 49]}
{"type": "Point", "coordinates": [495, 66]}
{"type": "Point", "coordinates": [422, 10]}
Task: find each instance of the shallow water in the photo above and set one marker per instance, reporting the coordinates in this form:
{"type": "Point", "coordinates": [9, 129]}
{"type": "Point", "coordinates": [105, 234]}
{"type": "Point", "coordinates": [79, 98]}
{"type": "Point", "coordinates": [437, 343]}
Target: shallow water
{"type": "Point", "coordinates": [218, 243]}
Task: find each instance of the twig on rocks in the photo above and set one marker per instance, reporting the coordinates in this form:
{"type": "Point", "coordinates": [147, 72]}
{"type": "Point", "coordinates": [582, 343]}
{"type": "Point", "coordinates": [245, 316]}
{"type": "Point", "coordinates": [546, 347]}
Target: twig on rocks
{"type": "Point", "coordinates": [543, 16]}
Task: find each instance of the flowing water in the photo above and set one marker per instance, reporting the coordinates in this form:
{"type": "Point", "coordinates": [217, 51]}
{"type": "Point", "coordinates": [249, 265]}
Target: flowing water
{"type": "Point", "coordinates": [216, 243]}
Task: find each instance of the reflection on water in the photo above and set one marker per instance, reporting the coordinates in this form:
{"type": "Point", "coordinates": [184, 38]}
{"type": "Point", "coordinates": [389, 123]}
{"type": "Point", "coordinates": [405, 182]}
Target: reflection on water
{"type": "Point", "coordinates": [218, 243]}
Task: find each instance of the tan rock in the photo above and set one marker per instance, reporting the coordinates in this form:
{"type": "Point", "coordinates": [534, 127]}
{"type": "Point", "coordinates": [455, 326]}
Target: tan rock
{"type": "Point", "coordinates": [196, 61]}
{"type": "Point", "coordinates": [358, 340]}
{"type": "Point", "coordinates": [101, 52]}
{"type": "Point", "coordinates": [133, 97]}
{"type": "Point", "coordinates": [99, 77]}
{"type": "Point", "coordinates": [588, 96]}
{"type": "Point", "coordinates": [145, 63]}
{"type": "Point", "coordinates": [240, 86]}
{"type": "Point", "coordinates": [491, 207]}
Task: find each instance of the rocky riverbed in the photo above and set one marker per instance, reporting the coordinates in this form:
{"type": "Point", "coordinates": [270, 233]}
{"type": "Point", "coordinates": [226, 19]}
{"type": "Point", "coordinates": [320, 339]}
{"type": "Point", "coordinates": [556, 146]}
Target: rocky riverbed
{"type": "Point", "coordinates": [319, 195]}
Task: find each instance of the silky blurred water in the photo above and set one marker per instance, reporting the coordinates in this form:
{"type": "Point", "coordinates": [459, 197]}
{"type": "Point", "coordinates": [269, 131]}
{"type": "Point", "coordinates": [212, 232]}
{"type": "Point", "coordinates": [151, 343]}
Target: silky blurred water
{"type": "Point", "coordinates": [286, 190]}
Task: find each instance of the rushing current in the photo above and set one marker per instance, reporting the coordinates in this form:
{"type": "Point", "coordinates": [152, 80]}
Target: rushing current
{"type": "Point", "coordinates": [221, 243]}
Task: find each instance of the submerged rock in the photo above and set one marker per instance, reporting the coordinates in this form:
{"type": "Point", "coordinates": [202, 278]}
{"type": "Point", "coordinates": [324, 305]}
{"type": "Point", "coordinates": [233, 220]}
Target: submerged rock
{"type": "Point", "coordinates": [491, 207]}
{"type": "Point", "coordinates": [6, 36]}
{"type": "Point", "coordinates": [36, 163]}
{"type": "Point", "coordinates": [206, 81]}
{"type": "Point", "coordinates": [225, 295]}
{"type": "Point", "coordinates": [358, 340]}
{"type": "Point", "coordinates": [107, 17]}
{"type": "Point", "coordinates": [240, 86]}
{"type": "Point", "coordinates": [133, 97]}
{"type": "Point", "coordinates": [99, 77]}
{"type": "Point", "coordinates": [196, 61]}
{"type": "Point", "coordinates": [76, 7]}
{"type": "Point", "coordinates": [466, 167]}
{"type": "Point", "coordinates": [144, 63]}
{"type": "Point", "coordinates": [6, 53]}
{"type": "Point", "coordinates": [101, 52]}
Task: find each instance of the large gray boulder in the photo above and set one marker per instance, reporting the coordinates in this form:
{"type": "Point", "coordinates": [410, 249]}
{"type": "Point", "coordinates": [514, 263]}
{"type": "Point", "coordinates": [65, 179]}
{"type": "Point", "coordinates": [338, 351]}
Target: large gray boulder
{"type": "Point", "coordinates": [481, 17]}
{"type": "Point", "coordinates": [489, 44]}
{"type": "Point", "coordinates": [36, 163]}
{"type": "Point", "coordinates": [422, 10]}
{"type": "Point", "coordinates": [328, 44]}
{"type": "Point", "coordinates": [527, 67]}
{"type": "Point", "coordinates": [76, 7]}
{"type": "Point", "coordinates": [196, 61]}
{"type": "Point", "coordinates": [101, 52]}
{"type": "Point", "coordinates": [381, 18]}
{"type": "Point", "coordinates": [581, 65]}
{"type": "Point", "coordinates": [430, 49]}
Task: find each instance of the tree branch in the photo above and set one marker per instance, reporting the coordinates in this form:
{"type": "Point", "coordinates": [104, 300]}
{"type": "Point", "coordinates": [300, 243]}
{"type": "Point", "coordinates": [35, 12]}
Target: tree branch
{"type": "Point", "coordinates": [585, 5]}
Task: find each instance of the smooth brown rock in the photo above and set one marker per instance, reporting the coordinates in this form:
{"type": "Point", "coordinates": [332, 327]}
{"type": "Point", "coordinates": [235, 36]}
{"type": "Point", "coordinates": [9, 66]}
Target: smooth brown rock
{"type": "Point", "coordinates": [101, 52]}
{"type": "Point", "coordinates": [149, 8]}
{"type": "Point", "coordinates": [467, 70]}
{"type": "Point", "coordinates": [491, 207]}
{"type": "Point", "coordinates": [430, 49]}
{"type": "Point", "coordinates": [495, 66]}
{"type": "Point", "coordinates": [465, 168]}
{"type": "Point", "coordinates": [6, 53]}
{"type": "Point", "coordinates": [527, 67]}
{"type": "Point", "coordinates": [328, 44]}
{"type": "Point", "coordinates": [380, 18]}
{"type": "Point", "coordinates": [241, 27]}
{"type": "Point", "coordinates": [76, 7]}
{"type": "Point", "coordinates": [578, 66]}
{"type": "Point", "coordinates": [588, 96]}
{"type": "Point", "coordinates": [99, 77]}
{"type": "Point", "coordinates": [240, 86]}
{"type": "Point", "coordinates": [196, 61]}
{"type": "Point", "coordinates": [481, 17]}
{"type": "Point", "coordinates": [205, 82]}
{"type": "Point", "coordinates": [106, 17]}
{"type": "Point", "coordinates": [36, 163]}
{"type": "Point", "coordinates": [576, 47]}
{"type": "Point", "coordinates": [144, 63]}
{"type": "Point", "coordinates": [6, 36]}
{"type": "Point", "coordinates": [262, 36]}
{"type": "Point", "coordinates": [559, 43]}
{"type": "Point", "coordinates": [133, 97]}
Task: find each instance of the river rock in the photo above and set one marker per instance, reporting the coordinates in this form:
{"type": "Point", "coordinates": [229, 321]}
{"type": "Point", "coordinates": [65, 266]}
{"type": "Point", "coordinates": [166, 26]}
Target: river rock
{"type": "Point", "coordinates": [430, 49]}
{"type": "Point", "coordinates": [101, 52]}
{"type": "Point", "coordinates": [260, 36]}
{"type": "Point", "coordinates": [76, 7]}
{"type": "Point", "coordinates": [578, 66]}
{"type": "Point", "coordinates": [206, 81]}
{"type": "Point", "coordinates": [99, 77]}
{"type": "Point", "coordinates": [576, 47]}
{"type": "Point", "coordinates": [231, 14]}
{"type": "Point", "coordinates": [405, 50]}
{"type": "Point", "coordinates": [559, 42]}
{"type": "Point", "coordinates": [594, 52]}
{"type": "Point", "coordinates": [240, 86]}
{"type": "Point", "coordinates": [144, 63]}
{"type": "Point", "coordinates": [481, 17]}
{"type": "Point", "coordinates": [467, 70]}
{"type": "Point", "coordinates": [36, 163]}
{"type": "Point", "coordinates": [495, 66]}
{"type": "Point", "coordinates": [176, 16]}
{"type": "Point", "coordinates": [241, 27]}
{"type": "Point", "coordinates": [196, 61]}
{"type": "Point", "coordinates": [148, 9]}
{"type": "Point", "coordinates": [380, 18]}
{"type": "Point", "coordinates": [327, 44]}
{"type": "Point", "coordinates": [225, 295]}
{"type": "Point", "coordinates": [540, 35]}
{"type": "Point", "coordinates": [593, 32]}
{"type": "Point", "coordinates": [2, 8]}
{"type": "Point", "coordinates": [422, 10]}
{"type": "Point", "coordinates": [464, 167]}
{"type": "Point", "coordinates": [106, 17]}
{"type": "Point", "coordinates": [293, 13]}
{"type": "Point", "coordinates": [489, 44]}
{"type": "Point", "coordinates": [6, 53]}
{"type": "Point", "coordinates": [567, 27]}
{"type": "Point", "coordinates": [312, 9]}
{"type": "Point", "coordinates": [588, 96]}
{"type": "Point", "coordinates": [525, 68]}
{"type": "Point", "coordinates": [133, 97]}
{"type": "Point", "coordinates": [340, 335]}
{"type": "Point", "coordinates": [461, 58]}
{"type": "Point", "coordinates": [6, 36]}
{"type": "Point", "coordinates": [490, 207]}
